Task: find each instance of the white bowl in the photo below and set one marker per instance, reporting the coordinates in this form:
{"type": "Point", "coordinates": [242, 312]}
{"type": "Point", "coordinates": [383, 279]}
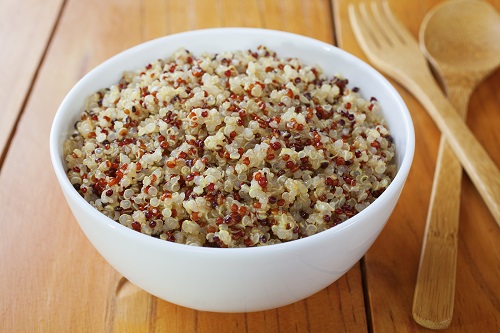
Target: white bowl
{"type": "Point", "coordinates": [241, 279]}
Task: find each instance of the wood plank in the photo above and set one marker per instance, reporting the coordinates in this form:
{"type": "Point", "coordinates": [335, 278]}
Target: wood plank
{"type": "Point", "coordinates": [155, 19]}
{"type": "Point", "coordinates": [392, 262]}
{"type": "Point", "coordinates": [51, 277]}
{"type": "Point", "coordinates": [23, 46]}
{"type": "Point", "coordinates": [65, 283]}
{"type": "Point", "coordinates": [241, 14]}
{"type": "Point", "coordinates": [301, 17]}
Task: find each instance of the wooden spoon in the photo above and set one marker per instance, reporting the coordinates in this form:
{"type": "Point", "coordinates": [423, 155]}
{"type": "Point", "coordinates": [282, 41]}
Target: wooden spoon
{"type": "Point", "coordinates": [461, 39]}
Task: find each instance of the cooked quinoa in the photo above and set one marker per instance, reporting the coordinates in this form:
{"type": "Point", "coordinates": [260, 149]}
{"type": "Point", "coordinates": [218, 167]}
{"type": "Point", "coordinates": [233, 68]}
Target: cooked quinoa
{"type": "Point", "coordinates": [235, 149]}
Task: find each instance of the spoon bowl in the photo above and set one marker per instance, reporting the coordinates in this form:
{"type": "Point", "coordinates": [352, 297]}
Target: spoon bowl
{"type": "Point", "coordinates": [461, 38]}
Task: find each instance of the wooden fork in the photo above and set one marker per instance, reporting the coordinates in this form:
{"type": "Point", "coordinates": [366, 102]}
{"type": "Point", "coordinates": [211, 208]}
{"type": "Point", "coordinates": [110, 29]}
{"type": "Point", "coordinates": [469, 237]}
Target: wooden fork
{"type": "Point", "coordinates": [393, 49]}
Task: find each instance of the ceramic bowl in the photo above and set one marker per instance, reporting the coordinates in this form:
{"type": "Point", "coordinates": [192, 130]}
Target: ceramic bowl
{"type": "Point", "coordinates": [241, 279]}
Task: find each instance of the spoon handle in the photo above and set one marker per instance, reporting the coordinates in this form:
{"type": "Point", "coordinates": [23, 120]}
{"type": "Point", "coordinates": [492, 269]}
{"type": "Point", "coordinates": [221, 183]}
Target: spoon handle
{"type": "Point", "coordinates": [475, 160]}
{"type": "Point", "coordinates": [435, 288]}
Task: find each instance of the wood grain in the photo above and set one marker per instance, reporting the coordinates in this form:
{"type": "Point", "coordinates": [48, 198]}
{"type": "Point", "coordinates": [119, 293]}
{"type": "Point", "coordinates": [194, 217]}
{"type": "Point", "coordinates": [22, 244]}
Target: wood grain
{"type": "Point", "coordinates": [23, 46]}
{"type": "Point", "coordinates": [391, 264]}
{"type": "Point", "coordinates": [435, 286]}
{"type": "Point", "coordinates": [51, 278]}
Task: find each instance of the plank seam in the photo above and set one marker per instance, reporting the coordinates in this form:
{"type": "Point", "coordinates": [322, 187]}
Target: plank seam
{"type": "Point", "coordinates": [366, 296]}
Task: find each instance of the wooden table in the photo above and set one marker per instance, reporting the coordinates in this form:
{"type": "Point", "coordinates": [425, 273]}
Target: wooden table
{"type": "Point", "coordinates": [52, 279]}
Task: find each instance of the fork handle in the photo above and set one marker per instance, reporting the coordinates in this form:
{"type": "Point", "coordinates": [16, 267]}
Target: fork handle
{"type": "Point", "coordinates": [434, 297]}
{"type": "Point", "coordinates": [435, 286]}
{"type": "Point", "coordinates": [475, 160]}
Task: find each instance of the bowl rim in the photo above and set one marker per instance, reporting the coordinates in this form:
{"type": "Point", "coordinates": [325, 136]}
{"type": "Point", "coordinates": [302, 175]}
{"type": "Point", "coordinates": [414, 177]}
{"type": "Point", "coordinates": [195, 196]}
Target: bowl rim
{"type": "Point", "coordinates": [68, 189]}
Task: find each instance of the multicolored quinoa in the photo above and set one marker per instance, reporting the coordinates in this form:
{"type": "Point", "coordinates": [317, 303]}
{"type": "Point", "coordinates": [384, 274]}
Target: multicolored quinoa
{"type": "Point", "coordinates": [235, 149]}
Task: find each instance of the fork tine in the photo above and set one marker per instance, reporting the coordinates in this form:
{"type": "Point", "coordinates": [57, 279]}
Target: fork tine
{"type": "Point", "coordinates": [399, 29]}
{"type": "Point", "coordinates": [373, 27]}
{"type": "Point", "coordinates": [366, 38]}
{"type": "Point", "coordinates": [386, 29]}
